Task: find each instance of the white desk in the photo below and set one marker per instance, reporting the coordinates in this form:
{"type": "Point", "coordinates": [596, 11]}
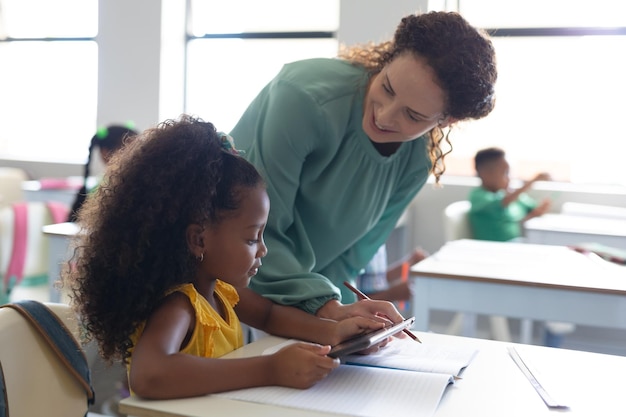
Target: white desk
{"type": "Point", "coordinates": [591, 384]}
{"type": "Point", "coordinates": [569, 229]}
{"type": "Point", "coordinates": [59, 236]}
{"type": "Point", "coordinates": [527, 281]}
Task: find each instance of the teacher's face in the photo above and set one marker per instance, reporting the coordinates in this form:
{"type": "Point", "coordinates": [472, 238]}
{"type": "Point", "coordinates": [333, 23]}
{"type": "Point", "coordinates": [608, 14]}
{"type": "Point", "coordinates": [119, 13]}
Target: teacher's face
{"type": "Point", "coordinates": [403, 101]}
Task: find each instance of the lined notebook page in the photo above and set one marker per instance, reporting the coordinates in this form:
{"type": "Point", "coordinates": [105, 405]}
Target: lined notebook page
{"type": "Point", "coordinates": [424, 357]}
{"type": "Point", "coordinates": [359, 391]}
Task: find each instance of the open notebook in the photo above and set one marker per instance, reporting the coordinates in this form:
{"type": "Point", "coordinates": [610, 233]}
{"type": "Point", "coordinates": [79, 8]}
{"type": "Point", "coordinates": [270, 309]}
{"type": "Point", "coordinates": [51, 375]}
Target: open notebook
{"type": "Point", "coordinates": [404, 377]}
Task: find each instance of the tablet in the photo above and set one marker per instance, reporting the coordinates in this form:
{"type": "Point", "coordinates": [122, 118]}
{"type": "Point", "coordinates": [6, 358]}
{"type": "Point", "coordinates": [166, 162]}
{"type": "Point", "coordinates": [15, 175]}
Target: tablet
{"type": "Point", "coordinates": [367, 340]}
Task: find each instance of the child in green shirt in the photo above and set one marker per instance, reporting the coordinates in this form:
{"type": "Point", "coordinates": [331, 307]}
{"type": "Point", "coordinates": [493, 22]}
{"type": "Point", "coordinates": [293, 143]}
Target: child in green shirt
{"type": "Point", "coordinates": [498, 212]}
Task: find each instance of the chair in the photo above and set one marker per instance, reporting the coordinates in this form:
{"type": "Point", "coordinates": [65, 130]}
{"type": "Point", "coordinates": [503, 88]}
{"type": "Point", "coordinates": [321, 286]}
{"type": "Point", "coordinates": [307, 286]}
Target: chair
{"type": "Point", "coordinates": [456, 226]}
{"type": "Point", "coordinates": [24, 257]}
{"type": "Point", "coordinates": [11, 180]}
{"type": "Point", "coordinates": [456, 222]}
{"type": "Point", "coordinates": [37, 382]}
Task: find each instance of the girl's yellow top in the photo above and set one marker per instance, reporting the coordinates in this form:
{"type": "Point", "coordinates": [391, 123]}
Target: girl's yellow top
{"type": "Point", "coordinates": [212, 335]}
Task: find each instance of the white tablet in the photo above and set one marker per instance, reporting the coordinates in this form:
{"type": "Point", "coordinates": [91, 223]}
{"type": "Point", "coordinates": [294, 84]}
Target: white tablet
{"type": "Point", "coordinates": [364, 341]}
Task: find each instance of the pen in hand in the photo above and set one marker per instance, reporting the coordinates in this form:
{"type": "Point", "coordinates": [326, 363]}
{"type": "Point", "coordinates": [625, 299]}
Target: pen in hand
{"type": "Point", "coordinates": [365, 297]}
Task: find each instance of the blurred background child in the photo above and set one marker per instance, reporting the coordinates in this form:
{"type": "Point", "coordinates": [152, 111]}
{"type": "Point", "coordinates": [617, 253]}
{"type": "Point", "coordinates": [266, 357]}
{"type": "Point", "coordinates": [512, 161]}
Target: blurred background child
{"type": "Point", "coordinates": [107, 141]}
{"type": "Point", "coordinates": [498, 212]}
{"type": "Point", "coordinates": [383, 281]}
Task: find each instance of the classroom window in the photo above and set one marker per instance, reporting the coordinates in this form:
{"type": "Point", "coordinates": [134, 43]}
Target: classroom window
{"type": "Point", "coordinates": [560, 89]}
{"type": "Point", "coordinates": [231, 55]}
{"type": "Point", "coordinates": [48, 78]}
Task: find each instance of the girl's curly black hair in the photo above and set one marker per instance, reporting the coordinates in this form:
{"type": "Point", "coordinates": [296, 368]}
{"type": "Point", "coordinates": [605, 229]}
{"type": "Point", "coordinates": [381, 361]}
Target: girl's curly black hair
{"type": "Point", "coordinates": [132, 245]}
{"type": "Point", "coordinates": [462, 56]}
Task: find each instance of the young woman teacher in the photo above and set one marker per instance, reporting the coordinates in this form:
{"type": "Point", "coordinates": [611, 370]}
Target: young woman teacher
{"type": "Point", "coordinates": [346, 143]}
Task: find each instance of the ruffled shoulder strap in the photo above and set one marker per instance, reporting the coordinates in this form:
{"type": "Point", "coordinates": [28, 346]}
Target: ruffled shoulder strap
{"type": "Point", "coordinates": [228, 292]}
{"type": "Point", "coordinates": [205, 314]}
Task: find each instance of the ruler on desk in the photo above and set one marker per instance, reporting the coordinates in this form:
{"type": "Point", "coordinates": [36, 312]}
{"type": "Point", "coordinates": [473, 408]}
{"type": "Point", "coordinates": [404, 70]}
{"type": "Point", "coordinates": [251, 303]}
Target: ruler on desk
{"type": "Point", "coordinates": [547, 398]}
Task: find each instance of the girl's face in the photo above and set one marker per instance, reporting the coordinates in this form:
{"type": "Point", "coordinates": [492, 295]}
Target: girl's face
{"type": "Point", "coordinates": [403, 101]}
{"type": "Point", "coordinates": [234, 247]}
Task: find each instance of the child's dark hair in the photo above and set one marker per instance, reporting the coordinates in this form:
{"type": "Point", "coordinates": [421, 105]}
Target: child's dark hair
{"type": "Point", "coordinates": [487, 155]}
{"type": "Point", "coordinates": [110, 138]}
{"type": "Point", "coordinates": [133, 246]}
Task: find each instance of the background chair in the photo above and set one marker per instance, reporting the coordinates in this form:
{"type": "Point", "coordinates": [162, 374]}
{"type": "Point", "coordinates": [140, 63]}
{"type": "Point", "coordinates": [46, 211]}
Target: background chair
{"type": "Point", "coordinates": [456, 221]}
{"type": "Point", "coordinates": [37, 383]}
{"type": "Point", "coordinates": [24, 255]}
{"type": "Point", "coordinates": [11, 180]}
{"type": "Point", "coordinates": [457, 226]}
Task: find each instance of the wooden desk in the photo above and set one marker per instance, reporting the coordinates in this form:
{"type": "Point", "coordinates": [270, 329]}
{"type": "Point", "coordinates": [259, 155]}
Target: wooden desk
{"type": "Point", "coordinates": [527, 281]}
{"type": "Point", "coordinates": [569, 229]}
{"type": "Point", "coordinates": [591, 384]}
{"type": "Point", "coordinates": [59, 236]}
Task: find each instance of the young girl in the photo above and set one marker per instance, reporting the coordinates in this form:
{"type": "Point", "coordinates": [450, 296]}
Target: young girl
{"type": "Point", "coordinates": [108, 140]}
{"type": "Point", "coordinates": [171, 239]}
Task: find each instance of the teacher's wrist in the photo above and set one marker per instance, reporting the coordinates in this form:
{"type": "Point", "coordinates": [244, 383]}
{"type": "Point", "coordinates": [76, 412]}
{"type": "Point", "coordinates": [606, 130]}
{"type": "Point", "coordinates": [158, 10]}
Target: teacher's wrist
{"type": "Point", "coordinates": [333, 309]}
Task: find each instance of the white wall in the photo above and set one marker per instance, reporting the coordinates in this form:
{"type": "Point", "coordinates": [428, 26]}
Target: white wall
{"type": "Point", "coordinates": [131, 83]}
{"type": "Point", "coordinates": [362, 21]}
{"type": "Point", "coordinates": [129, 35]}
{"type": "Point", "coordinates": [129, 56]}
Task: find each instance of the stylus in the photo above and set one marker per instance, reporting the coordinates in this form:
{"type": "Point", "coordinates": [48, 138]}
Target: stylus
{"type": "Point", "coordinates": [365, 297]}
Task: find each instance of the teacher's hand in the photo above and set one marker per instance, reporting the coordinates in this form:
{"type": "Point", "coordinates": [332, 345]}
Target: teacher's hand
{"type": "Point", "coordinates": [354, 326]}
{"type": "Point", "coordinates": [383, 311]}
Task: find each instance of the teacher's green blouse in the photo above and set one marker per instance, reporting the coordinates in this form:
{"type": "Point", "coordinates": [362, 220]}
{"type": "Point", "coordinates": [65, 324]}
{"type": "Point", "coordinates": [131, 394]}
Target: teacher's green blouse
{"type": "Point", "coordinates": [334, 199]}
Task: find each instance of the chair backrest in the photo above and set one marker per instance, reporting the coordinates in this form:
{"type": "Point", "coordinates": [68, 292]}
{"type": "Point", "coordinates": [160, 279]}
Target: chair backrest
{"type": "Point", "coordinates": [24, 249]}
{"type": "Point", "coordinates": [456, 221]}
{"type": "Point", "coordinates": [37, 383]}
{"type": "Point", "coordinates": [11, 180]}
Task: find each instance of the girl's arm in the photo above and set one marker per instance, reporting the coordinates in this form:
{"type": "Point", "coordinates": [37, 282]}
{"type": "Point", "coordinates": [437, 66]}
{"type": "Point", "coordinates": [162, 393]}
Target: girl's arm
{"type": "Point", "coordinates": [261, 313]}
{"type": "Point", "coordinates": [159, 371]}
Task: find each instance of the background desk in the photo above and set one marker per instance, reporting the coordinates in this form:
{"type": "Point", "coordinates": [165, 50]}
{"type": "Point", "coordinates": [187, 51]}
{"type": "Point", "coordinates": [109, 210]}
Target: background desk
{"type": "Point", "coordinates": [527, 281]}
{"type": "Point", "coordinates": [567, 229]}
{"type": "Point", "coordinates": [492, 385]}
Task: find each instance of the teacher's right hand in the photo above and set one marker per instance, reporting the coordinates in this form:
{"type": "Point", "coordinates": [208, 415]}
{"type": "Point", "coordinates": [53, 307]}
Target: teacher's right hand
{"type": "Point", "coordinates": [373, 309]}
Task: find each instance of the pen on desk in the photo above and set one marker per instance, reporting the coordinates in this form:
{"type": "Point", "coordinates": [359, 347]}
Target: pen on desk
{"type": "Point", "coordinates": [365, 297]}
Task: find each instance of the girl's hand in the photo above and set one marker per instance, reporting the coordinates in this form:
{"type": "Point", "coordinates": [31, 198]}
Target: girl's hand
{"type": "Point", "coordinates": [301, 365]}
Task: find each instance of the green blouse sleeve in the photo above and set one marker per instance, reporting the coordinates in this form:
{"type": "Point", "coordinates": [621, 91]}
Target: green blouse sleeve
{"type": "Point", "coordinates": [288, 127]}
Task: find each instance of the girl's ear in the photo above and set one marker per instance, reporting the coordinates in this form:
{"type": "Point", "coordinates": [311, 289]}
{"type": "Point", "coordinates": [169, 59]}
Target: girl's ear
{"type": "Point", "coordinates": [195, 239]}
